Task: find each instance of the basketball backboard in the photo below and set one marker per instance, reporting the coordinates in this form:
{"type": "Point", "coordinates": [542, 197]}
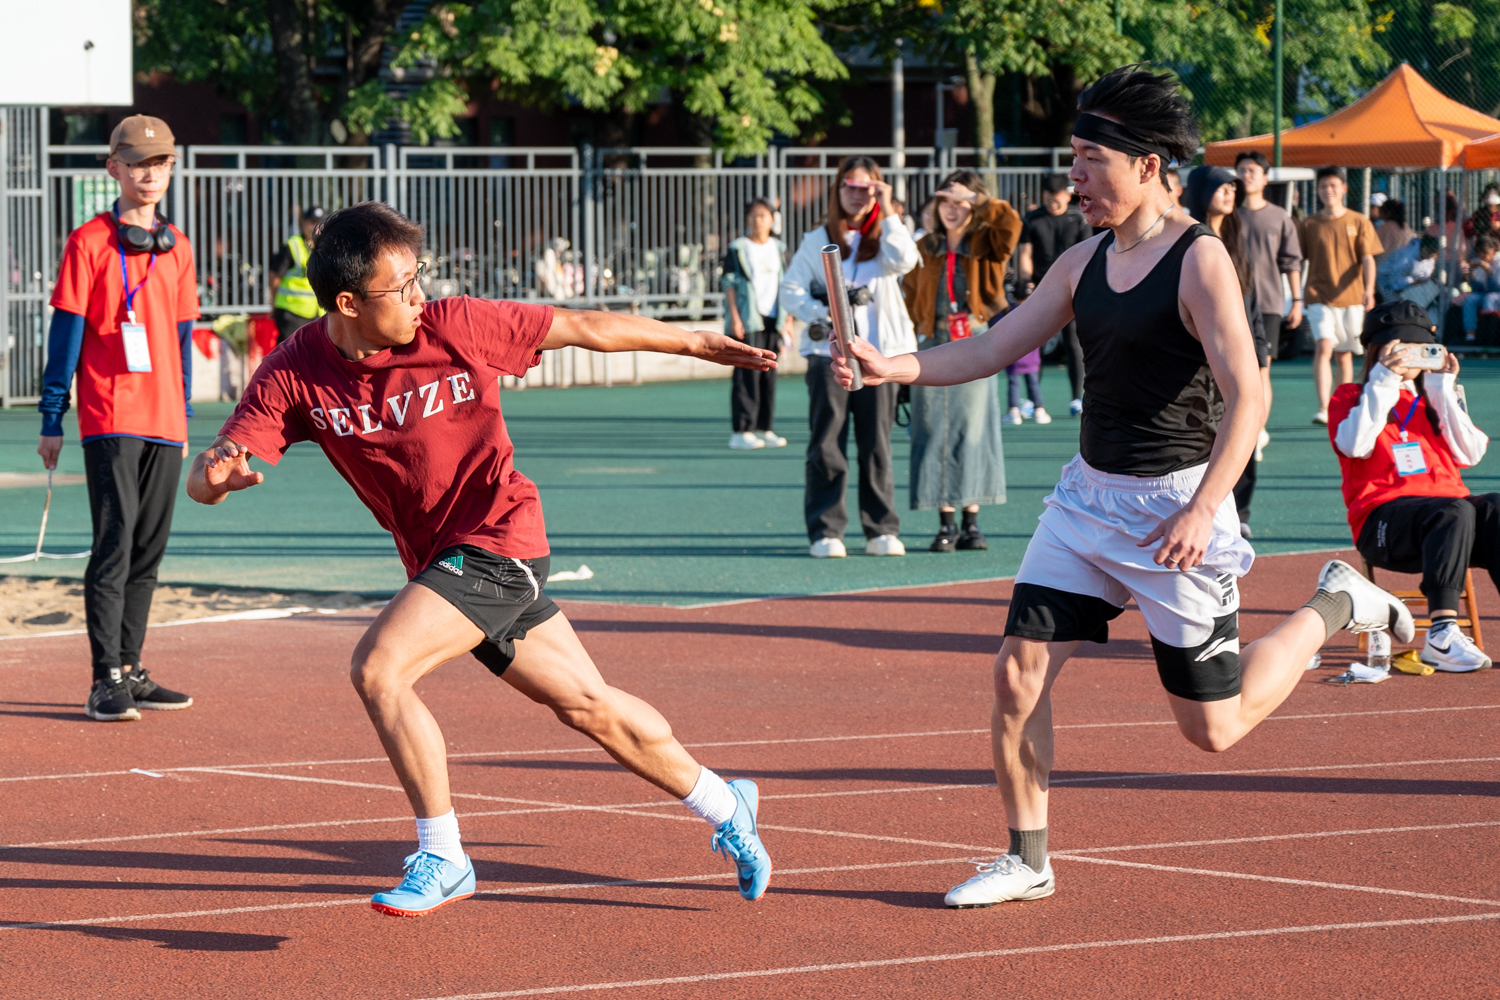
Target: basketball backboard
{"type": "Point", "coordinates": [66, 53]}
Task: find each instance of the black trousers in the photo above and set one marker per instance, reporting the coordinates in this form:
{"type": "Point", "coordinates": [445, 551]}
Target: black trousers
{"type": "Point", "coordinates": [752, 394]}
{"type": "Point", "coordinates": [287, 323]}
{"type": "Point", "coordinates": [1244, 491]}
{"type": "Point", "coordinates": [132, 487]}
{"type": "Point", "coordinates": [829, 409]}
{"type": "Point", "coordinates": [1073, 358]}
{"type": "Point", "coordinates": [1439, 537]}
{"type": "Point", "coordinates": [1271, 323]}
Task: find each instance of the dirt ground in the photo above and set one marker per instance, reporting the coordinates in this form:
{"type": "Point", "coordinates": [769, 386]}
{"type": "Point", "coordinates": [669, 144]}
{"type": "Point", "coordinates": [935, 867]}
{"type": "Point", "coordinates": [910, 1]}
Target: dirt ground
{"type": "Point", "coordinates": [31, 605]}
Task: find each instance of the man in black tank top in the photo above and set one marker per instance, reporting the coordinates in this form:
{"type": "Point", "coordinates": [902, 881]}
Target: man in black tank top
{"type": "Point", "coordinates": [1172, 408]}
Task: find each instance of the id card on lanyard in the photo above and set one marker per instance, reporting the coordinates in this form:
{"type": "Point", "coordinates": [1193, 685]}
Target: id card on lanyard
{"type": "Point", "coordinates": [1408, 454]}
{"type": "Point", "coordinates": [958, 322]}
{"type": "Point", "coordinates": [137, 347]}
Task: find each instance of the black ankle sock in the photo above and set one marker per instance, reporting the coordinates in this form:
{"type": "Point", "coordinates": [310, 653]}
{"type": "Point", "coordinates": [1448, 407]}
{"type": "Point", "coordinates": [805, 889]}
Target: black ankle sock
{"type": "Point", "coordinates": [971, 519]}
{"type": "Point", "coordinates": [1336, 607]}
{"type": "Point", "coordinates": [945, 518]}
{"type": "Point", "coordinates": [1030, 846]}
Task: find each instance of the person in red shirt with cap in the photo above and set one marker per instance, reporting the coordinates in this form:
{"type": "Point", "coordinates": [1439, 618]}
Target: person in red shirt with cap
{"type": "Point", "coordinates": [403, 396]}
{"type": "Point", "coordinates": [123, 311]}
{"type": "Point", "coordinates": [1402, 435]}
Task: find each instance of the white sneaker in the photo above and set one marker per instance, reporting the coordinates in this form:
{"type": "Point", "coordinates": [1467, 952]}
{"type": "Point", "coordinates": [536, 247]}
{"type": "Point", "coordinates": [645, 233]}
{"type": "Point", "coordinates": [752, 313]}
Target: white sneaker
{"type": "Point", "coordinates": [1027, 408]}
{"type": "Point", "coordinates": [1374, 609]}
{"type": "Point", "coordinates": [772, 439]}
{"type": "Point", "coordinates": [1005, 879]}
{"type": "Point", "coordinates": [827, 548]}
{"type": "Point", "coordinates": [885, 545]}
{"type": "Point", "coordinates": [745, 441]}
{"type": "Point", "coordinates": [1245, 531]}
{"type": "Point", "coordinates": [1449, 650]}
{"type": "Point", "coordinates": [1075, 408]}
{"type": "Point", "coordinates": [1042, 416]}
{"type": "Point", "coordinates": [1013, 418]}
{"type": "Point", "coordinates": [1260, 445]}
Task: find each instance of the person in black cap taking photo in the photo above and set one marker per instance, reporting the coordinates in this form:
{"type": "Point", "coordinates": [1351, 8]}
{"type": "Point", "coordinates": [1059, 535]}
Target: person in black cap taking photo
{"type": "Point", "coordinates": [1402, 435]}
{"type": "Point", "coordinates": [294, 305]}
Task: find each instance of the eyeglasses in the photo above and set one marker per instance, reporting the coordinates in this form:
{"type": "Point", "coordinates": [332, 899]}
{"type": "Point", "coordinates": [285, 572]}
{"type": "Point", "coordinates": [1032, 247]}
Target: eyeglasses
{"type": "Point", "coordinates": [405, 290]}
{"type": "Point", "coordinates": [140, 171]}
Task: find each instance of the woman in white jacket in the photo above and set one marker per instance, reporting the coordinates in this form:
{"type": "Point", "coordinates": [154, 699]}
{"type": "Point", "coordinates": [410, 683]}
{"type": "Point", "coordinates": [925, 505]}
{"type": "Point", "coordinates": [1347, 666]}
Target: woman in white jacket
{"type": "Point", "coordinates": [877, 251]}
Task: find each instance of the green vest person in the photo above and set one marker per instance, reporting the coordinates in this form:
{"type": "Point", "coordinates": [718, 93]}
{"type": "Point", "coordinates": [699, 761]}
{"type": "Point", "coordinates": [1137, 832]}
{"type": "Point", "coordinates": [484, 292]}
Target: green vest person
{"type": "Point", "coordinates": [294, 304]}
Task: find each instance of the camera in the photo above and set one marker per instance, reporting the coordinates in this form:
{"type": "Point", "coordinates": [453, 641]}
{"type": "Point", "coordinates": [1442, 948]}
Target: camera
{"type": "Point", "coordinates": [861, 296]}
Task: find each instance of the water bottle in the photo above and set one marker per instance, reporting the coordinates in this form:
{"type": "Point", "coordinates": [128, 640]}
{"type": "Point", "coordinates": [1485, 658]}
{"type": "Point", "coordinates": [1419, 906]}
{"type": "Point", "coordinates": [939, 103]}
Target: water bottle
{"type": "Point", "coordinates": [1380, 651]}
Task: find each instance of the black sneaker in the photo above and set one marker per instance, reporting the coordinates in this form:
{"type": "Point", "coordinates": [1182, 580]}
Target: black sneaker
{"type": "Point", "coordinates": [972, 539]}
{"type": "Point", "coordinates": [110, 700]}
{"type": "Point", "coordinates": [149, 694]}
{"type": "Point", "coordinates": [946, 536]}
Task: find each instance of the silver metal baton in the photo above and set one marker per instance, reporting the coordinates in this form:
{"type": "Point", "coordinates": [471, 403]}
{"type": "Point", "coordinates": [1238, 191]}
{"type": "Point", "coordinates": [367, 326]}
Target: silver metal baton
{"type": "Point", "coordinates": [838, 310]}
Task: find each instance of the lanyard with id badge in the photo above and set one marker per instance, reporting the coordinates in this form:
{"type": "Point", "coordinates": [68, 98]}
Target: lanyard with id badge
{"type": "Point", "coordinates": [958, 322]}
{"type": "Point", "coordinates": [1408, 454]}
{"type": "Point", "coordinates": [137, 349]}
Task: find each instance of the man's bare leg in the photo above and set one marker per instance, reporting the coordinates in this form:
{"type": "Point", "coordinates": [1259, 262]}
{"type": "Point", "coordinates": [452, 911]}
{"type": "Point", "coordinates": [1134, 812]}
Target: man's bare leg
{"type": "Point", "coordinates": [1323, 372]}
{"type": "Point", "coordinates": [1270, 668]}
{"type": "Point", "coordinates": [1021, 726]}
{"type": "Point", "coordinates": [1346, 367]}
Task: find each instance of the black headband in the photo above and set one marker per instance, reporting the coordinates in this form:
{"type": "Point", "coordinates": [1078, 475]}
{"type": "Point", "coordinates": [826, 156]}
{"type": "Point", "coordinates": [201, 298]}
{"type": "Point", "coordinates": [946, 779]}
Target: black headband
{"type": "Point", "coordinates": [1118, 137]}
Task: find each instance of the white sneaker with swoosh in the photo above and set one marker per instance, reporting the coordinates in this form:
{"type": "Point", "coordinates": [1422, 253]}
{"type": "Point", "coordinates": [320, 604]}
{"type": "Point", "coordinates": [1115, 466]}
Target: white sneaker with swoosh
{"type": "Point", "coordinates": [1003, 880]}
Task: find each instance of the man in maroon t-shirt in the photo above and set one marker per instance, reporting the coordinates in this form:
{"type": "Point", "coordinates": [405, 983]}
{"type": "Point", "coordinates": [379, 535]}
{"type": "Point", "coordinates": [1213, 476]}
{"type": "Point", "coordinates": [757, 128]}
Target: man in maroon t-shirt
{"type": "Point", "coordinates": [404, 398]}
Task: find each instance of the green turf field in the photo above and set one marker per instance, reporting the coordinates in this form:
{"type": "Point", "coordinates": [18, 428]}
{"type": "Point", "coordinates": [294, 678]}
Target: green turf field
{"type": "Point", "coordinates": [637, 483]}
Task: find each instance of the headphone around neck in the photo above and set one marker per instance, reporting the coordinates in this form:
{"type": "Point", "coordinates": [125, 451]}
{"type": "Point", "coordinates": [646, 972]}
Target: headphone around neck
{"type": "Point", "coordinates": [136, 240]}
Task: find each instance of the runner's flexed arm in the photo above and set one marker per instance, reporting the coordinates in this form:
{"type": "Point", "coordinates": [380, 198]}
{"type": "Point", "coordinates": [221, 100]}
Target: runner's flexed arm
{"type": "Point", "coordinates": [1218, 322]}
{"type": "Point", "coordinates": [1016, 334]}
{"type": "Point", "coordinates": [221, 470]}
{"type": "Point", "coordinates": [604, 331]}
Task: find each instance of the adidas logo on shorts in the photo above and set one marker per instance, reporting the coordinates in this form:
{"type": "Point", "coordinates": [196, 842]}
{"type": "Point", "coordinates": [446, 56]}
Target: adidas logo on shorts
{"type": "Point", "coordinates": [453, 564]}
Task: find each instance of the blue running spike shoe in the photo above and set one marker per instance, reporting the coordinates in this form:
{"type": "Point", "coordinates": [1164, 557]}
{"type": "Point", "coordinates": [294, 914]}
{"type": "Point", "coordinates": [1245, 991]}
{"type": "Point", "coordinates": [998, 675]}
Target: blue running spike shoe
{"type": "Point", "coordinates": [737, 839]}
{"type": "Point", "coordinates": [430, 882]}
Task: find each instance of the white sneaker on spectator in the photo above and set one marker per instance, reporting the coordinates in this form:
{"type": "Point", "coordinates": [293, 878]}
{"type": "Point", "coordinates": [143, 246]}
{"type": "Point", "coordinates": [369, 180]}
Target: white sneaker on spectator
{"type": "Point", "coordinates": [745, 441]}
{"type": "Point", "coordinates": [772, 439]}
{"type": "Point", "coordinates": [1449, 650]}
{"type": "Point", "coordinates": [1075, 408]}
{"type": "Point", "coordinates": [1027, 408]}
{"type": "Point", "coordinates": [1042, 416]}
{"type": "Point", "coordinates": [1013, 417]}
{"type": "Point", "coordinates": [885, 545]}
{"type": "Point", "coordinates": [1260, 445]}
{"type": "Point", "coordinates": [828, 548]}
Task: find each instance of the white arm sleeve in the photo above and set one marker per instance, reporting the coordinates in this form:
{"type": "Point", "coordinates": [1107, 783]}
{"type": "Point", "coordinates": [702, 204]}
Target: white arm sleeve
{"type": "Point", "coordinates": [1467, 442]}
{"type": "Point", "coordinates": [1357, 433]}
{"type": "Point", "coordinates": [794, 296]}
{"type": "Point", "coordinates": [898, 251]}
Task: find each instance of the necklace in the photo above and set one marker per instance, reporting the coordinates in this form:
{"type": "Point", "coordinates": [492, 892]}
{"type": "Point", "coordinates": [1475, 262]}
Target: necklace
{"type": "Point", "coordinates": [1115, 248]}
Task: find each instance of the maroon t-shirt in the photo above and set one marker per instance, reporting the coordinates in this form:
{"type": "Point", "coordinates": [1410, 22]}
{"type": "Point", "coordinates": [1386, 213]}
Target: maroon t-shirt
{"type": "Point", "coordinates": [416, 430]}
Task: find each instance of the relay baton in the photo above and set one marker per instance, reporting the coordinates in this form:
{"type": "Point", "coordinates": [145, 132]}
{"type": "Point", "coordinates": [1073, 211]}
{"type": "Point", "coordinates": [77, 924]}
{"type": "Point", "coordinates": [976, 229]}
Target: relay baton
{"type": "Point", "coordinates": [838, 310]}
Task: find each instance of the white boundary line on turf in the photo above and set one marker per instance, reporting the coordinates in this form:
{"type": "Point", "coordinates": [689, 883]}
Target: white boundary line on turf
{"type": "Point", "coordinates": [744, 743]}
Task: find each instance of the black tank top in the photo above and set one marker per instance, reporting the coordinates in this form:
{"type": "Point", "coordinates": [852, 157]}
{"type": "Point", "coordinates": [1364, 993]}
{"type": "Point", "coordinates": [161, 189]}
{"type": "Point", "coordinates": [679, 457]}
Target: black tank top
{"type": "Point", "coordinates": [1151, 405]}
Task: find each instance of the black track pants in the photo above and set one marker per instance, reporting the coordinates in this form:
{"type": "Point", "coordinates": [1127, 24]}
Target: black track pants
{"type": "Point", "coordinates": [829, 409]}
{"type": "Point", "coordinates": [132, 487]}
{"type": "Point", "coordinates": [752, 394]}
{"type": "Point", "coordinates": [1439, 537]}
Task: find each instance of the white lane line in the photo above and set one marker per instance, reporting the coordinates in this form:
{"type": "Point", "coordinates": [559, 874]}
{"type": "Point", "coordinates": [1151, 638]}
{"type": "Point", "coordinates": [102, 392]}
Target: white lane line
{"type": "Point", "coordinates": [508, 891]}
{"type": "Point", "coordinates": [1271, 770]}
{"type": "Point", "coordinates": [149, 774]}
{"type": "Point", "coordinates": [1276, 836]}
{"type": "Point", "coordinates": [960, 956]}
{"type": "Point", "coordinates": [848, 738]}
{"type": "Point", "coordinates": [1282, 881]}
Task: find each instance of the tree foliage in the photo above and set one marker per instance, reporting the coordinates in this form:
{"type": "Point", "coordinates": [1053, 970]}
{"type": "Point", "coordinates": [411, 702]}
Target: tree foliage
{"type": "Point", "coordinates": [743, 67]}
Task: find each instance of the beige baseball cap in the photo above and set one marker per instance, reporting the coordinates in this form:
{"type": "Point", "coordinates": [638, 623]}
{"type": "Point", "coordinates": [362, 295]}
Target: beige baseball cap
{"type": "Point", "coordinates": [141, 137]}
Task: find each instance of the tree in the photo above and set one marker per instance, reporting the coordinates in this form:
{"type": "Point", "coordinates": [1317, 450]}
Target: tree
{"type": "Point", "coordinates": [294, 59]}
{"type": "Point", "coordinates": [744, 69]}
{"type": "Point", "coordinates": [1455, 46]}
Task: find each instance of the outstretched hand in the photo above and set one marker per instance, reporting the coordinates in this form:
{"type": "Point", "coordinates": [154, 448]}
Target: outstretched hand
{"type": "Point", "coordinates": [221, 470]}
{"type": "Point", "coordinates": [874, 367]}
{"type": "Point", "coordinates": [724, 350]}
{"type": "Point", "coordinates": [1184, 539]}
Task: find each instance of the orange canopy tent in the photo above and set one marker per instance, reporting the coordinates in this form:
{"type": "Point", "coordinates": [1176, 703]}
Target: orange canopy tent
{"type": "Point", "coordinates": [1403, 122]}
{"type": "Point", "coordinates": [1481, 154]}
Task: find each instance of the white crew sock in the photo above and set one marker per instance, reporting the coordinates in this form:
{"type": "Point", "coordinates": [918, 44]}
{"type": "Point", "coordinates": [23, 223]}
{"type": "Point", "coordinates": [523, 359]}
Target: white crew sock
{"type": "Point", "coordinates": [439, 835]}
{"type": "Point", "coordinates": [711, 798]}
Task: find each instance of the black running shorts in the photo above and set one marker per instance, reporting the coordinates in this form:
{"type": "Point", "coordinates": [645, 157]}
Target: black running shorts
{"type": "Point", "coordinates": [501, 595]}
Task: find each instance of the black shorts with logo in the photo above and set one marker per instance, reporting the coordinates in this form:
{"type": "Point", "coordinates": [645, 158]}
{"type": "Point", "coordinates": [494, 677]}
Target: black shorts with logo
{"type": "Point", "coordinates": [501, 595]}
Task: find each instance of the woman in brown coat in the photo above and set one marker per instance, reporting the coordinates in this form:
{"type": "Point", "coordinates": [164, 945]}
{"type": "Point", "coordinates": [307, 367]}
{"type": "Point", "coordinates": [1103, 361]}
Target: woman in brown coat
{"type": "Point", "coordinates": [957, 459]}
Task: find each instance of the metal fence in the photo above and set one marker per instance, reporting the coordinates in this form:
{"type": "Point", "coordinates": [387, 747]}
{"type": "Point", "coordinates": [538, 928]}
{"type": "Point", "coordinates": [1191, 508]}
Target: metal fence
{"type": "Point", "coordinates": [642, 229]}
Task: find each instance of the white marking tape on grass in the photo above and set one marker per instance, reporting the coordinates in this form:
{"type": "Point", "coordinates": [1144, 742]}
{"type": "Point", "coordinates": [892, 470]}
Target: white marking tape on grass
{"type": "Point", "coordinates": [1041, 949]}
{"type": "Point", "coordinates": [1308, 883]}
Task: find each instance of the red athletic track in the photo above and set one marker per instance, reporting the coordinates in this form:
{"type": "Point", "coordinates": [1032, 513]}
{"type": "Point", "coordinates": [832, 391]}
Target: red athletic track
{"type": "Point", "coordinates": [121, 865]}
